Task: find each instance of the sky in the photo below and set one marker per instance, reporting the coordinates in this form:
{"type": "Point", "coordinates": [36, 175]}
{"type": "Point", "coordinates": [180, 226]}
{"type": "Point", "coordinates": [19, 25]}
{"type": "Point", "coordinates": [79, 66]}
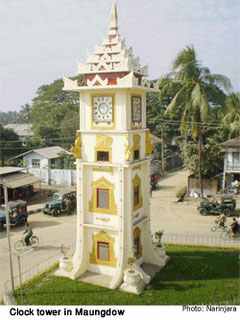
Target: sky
{"type": "Point", "coordinates": [44, 40]}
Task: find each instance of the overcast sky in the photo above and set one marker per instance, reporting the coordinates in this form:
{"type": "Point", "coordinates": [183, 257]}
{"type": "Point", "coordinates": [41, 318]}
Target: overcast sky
{"type": "Point", "coordinates": [43, 40]}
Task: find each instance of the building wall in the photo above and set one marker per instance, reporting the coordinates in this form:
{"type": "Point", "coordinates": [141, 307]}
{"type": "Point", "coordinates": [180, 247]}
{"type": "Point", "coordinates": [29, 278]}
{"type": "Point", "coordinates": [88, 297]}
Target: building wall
{"type": "Point", "coordinates": [44, 163]}
{"type": "Point", "coordinates": [61, 177]}
{"type": "Point", "coordinates": [122, 108]}
{"type": "Point", "coordinates": [92, 222]}
{"type": "Point", "coordinates": [118, 147]}
{"type": "Point", "coordinates": [230, 165]}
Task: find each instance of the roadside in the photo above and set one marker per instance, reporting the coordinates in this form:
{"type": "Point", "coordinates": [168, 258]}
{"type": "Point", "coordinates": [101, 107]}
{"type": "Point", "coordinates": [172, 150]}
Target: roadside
{"type": "Point", "coordinates": [181, 223]}
{"type": "Point", "coordinates": [178, 218]}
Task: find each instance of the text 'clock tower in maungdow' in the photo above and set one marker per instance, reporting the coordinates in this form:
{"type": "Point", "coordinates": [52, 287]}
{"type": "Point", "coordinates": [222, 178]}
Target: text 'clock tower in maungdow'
{"type": "Point", "coordinates": [113, 149]}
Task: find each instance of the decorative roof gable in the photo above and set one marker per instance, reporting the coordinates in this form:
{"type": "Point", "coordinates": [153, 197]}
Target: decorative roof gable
{"type": "Point", "coordinates": [113, 50]}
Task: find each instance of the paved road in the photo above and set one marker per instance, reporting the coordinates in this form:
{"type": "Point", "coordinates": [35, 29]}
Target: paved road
{"type": "Point", "coordinates": [52, 233]}
{"type": "Point", "coordinates": [174, 218]}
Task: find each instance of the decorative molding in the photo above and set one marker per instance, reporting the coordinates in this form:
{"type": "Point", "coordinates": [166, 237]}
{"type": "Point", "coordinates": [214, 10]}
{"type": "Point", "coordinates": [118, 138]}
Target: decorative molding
{"type": "Point", "coordinates": [97, 81]}
{"type": "Point", "coordinates": [103, 236]}
{"type": "Point", "coordinates": [104, 143]}
{"type": "Point", "coordinates": [136, 141]}
{"type": "Point", "coordinates": [69, 84]}
{"type": "Point", "coordinates": [129, 149]}
{"type": "Point", "coordinates": [103, 219]}
{"type": "Point", "coordinates": [128, 81]}
{"type": "Point", "coordinates": [136, 182]}
{"type": "Point", "coordinates": [148, 143]}
{"type": "Point", "coordinates": [103, 169]}
{"type": "Point", "coordinates": [139, 167]}
{"type": "Point", "coordinates": [103, 183]}
{"type": "Point", "coordinates": [76, 148]}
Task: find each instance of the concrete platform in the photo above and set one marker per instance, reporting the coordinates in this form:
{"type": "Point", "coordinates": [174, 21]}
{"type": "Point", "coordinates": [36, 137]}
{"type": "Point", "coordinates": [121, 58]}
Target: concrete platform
{"type": "Point", "coordinates": [96, 279]}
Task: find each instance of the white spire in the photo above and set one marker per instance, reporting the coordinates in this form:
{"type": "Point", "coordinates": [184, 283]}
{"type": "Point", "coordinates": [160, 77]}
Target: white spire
{"type": "Point", "coordinates": [113, 26]}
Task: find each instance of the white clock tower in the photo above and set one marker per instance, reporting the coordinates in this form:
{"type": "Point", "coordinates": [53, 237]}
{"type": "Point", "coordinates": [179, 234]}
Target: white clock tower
{"type": "Point", "coordinates": [113, 149]}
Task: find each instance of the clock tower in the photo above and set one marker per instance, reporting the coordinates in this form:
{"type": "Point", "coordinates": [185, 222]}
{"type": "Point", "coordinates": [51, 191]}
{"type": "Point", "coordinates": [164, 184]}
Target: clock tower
{"type": "Point", "coordinates": [113, 149]}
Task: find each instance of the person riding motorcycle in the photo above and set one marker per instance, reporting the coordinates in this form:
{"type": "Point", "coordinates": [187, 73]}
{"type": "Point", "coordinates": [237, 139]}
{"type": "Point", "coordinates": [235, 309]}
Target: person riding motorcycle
{"type": "Point", "coordinates": [234, 227]}
{"type": "Point", "coordinates": [28, 233]}
{"type": "Point", "coordinates": [221, 220]}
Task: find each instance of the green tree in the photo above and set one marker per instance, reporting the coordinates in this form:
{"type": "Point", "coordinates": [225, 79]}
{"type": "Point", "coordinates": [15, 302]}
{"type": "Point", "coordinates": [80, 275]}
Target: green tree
{"type": "Point", "coordinates": [199, 91]}
{"type": "Point", "coordinates": [231, 119]}
{"type": "Point", "coordinates": [8, 117]}
{"type": "Point", "coordinates": [212, 157]}
{"type": "Point", "coordinates": [24, 114]}
{"type": "Point", "coordinates": [10, 145]}
{"type": "Point", "coordinates": [53, 112]}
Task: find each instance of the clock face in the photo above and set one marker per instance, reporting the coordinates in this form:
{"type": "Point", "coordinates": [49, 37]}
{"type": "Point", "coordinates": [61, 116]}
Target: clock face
{"type": "Point", "coordinates": [103, 109]}
{"type": "Point", "coordinates": [136, 109]}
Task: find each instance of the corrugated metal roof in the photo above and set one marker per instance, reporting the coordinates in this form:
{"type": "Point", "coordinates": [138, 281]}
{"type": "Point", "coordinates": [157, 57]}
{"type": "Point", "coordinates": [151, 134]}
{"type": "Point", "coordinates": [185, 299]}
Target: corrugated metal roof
{"type": "Point", "coordinates": [48, 152]}
{"type": "Point", "coordinates": [235, 143]}
{"type": "Point", "coordinates": [8, 170]}
{"type": "Point", "coordinates": [19, 179]}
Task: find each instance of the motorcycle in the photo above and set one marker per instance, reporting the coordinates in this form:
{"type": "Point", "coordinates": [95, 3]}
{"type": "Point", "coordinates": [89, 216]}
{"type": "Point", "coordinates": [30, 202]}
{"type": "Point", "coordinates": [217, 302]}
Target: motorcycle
{"type": "Point", "coordinates": [20, 245]}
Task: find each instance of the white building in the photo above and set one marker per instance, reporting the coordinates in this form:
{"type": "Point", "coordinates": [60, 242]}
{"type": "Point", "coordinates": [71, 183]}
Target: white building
{"type": "Point", "coordinates": [231, 162]}
{"type": "Point", "coordinates": [113, 150]}
{"type": "Point", "coordinates": [47, 164]}
{"type": "Point", "coordinates": [42, 158]}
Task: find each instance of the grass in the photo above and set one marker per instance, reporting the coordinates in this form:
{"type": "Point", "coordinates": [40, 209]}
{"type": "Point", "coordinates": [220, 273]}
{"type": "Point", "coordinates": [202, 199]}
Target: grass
{"type": "Point", "coordinates": [194, 275]}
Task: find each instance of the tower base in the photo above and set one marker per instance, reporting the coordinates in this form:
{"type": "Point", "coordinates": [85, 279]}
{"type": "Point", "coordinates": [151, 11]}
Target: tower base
{"type": "Point", "coordinates": [134, 279]}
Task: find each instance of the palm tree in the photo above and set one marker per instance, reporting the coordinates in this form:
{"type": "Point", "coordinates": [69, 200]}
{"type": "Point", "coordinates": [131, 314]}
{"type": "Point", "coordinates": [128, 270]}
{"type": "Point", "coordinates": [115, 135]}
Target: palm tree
{"type": "Point", "coordinates": [198, 91]}
{"type": "Point", "coordinates": [231, 119]}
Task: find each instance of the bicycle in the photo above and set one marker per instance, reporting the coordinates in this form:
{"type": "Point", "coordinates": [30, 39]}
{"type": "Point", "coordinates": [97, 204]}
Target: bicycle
{"type": "Point", "coordinates": [217, 226]}
{"type": "Point", "coordinates": [21, 244]}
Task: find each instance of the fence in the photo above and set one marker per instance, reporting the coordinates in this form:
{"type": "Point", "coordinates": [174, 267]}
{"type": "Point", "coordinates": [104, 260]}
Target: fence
{"type": "Point", "coordinates": [199, 240]}
{"type": "Point", "coordinates": [168, 238]}
{"type": "Point", "coordinates": [27, 275]}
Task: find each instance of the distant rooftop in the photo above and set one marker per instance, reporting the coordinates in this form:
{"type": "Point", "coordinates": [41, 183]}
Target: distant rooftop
{"type": "Point", "coordinates": [48, 152]}
{"type": "Point", "coordinates": [21, 129]}
{"type": "Point", "coordinates": [8, 170]}
{"type": "Point", "coordinates": [234, 143]}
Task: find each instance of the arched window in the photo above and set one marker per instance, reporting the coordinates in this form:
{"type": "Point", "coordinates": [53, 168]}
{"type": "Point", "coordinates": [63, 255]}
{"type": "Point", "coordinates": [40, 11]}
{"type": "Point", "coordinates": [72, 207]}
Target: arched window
{"type": "Point", "coordinates": [103, 200]}
{"type": "Point", "coordinates": [103, 250]}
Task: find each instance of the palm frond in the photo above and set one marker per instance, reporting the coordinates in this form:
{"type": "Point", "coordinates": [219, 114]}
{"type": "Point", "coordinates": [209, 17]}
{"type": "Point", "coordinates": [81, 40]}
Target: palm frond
{"type": "Point", "coordinates": [219, 80]}
{"type": "Point", "coordinates": [175, 101]}
{"type": "Point", "coordinates": [186, 56]}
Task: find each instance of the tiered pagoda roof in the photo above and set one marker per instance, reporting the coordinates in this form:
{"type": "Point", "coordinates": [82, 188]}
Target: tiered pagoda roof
{"type": "Point", "coordinates": [111, 65]}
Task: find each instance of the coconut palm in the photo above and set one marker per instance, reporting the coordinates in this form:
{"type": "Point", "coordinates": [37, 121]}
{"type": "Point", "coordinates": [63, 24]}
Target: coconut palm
{"type": "Point", "coordinates": [198, 91]}
{"type": "Point", "coordinates": [231, 119]}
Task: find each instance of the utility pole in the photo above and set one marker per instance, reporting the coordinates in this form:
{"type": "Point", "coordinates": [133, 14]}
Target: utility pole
{"type": "Point", "coordinates": [8, 234]}
{"type": "Point", "coordinates": [200, 163]}
{"type": "Point", "coordinates": [162, 151]}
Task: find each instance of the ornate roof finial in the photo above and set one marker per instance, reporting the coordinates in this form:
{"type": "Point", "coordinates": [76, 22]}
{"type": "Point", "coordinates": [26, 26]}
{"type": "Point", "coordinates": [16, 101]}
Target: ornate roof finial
{"type": "Point", "coordinates": [114, 18]}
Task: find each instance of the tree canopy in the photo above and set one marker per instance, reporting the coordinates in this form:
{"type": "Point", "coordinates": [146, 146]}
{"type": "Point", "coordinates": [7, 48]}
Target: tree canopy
{"type": "Point", "coordinates": [54, 114]}
{"type": "Point", "coordinates": [10, 145]}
